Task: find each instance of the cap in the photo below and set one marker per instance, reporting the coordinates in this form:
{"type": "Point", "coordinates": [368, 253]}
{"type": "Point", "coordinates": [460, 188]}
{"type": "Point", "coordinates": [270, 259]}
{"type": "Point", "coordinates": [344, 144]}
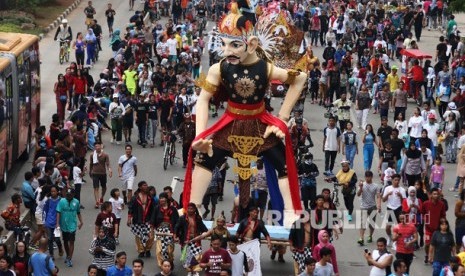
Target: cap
{"type": "Point", "coordinates": [394, 67]}
{"type": "Point", "coordinates": [115, 96]}
{"type": "Point", "coordinates": [452, 106]}
{"type": "Point", "coordinates": [64, 21]}
{"type": "Point", "coordinates": [195, 40]}
{"type": "Point", "coordinates": [187, 115]}
{"type": "Point", "coordinates": [431, 116]}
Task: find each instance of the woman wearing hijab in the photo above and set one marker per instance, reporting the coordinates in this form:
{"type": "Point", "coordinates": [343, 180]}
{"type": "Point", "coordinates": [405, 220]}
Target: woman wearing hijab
{"type": "Point", "coordinates": [412, 206]}
{"type": "Point", "coordinates": [450, 133]}
{"type": "Point", "coordinates": [413, 165]}
{"type": "Point", "coordinates": [115, 42]}
{"type": "Point", "coordinates": [323, 238]}
{"type": "Point", "coordinates": [430, 82]}
{"type": "Point", "coordinates": [91, 42]}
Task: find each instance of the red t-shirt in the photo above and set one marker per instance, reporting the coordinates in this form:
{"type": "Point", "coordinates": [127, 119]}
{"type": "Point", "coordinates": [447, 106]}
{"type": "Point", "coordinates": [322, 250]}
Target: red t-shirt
{"type": "Point", "coordinates": [432, 213]}
{"type": "Point", "coordinates": [80, 85]}
{"type": "Point", "coordinates": [217, 258]}
{"type": "Point", "coordinates": [417, 73]}
{"type": "Point", "coordinates": [406, 234]}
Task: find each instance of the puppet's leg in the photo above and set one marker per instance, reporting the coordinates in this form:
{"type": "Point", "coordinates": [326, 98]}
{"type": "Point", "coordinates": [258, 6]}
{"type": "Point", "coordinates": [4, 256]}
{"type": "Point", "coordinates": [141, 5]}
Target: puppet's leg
{"type": "Point", "coordinates": [276, 156]}
{"type": "Point", "coordinates": [202, 174]}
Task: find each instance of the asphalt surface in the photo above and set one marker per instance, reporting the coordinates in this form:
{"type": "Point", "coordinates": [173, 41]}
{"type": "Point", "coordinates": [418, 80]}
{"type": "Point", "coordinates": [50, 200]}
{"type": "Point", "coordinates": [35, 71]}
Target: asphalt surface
{"type": "Point", "coordinates": [349, 254]}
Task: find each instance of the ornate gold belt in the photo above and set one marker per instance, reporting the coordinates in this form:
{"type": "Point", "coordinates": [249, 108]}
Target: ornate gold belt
{"type": "Point", "coordinates": [246, 112]}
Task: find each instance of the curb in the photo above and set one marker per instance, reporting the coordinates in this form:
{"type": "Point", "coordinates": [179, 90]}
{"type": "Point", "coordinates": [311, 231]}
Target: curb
{"type": "Point", "coordinates": [10, 239]}
{"type": "Point", "coordinates": [57, 21]}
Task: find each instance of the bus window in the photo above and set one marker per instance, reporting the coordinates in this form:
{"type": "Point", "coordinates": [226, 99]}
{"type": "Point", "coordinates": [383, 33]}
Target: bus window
{"type": "Point", "coordinates": [8, 104]}
{"type": "Point", "coordinates": [2, 103]}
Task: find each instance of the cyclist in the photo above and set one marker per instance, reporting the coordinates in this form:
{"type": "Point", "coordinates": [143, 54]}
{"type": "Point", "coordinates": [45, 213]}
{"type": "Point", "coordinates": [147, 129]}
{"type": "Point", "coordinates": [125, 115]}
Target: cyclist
{"type": "Point", "coordinates": [201, 13]}
{"type": "Point", "coordinates": [64, 33]}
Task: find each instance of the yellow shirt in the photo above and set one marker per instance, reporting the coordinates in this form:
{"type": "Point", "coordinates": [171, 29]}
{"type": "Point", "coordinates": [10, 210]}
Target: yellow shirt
{"type": "Point", "coordinates": [179, 40]}
{"type": "Point", "coordinates": [461, 255]}
{"type": "Point", "coordinates": [393, 81]}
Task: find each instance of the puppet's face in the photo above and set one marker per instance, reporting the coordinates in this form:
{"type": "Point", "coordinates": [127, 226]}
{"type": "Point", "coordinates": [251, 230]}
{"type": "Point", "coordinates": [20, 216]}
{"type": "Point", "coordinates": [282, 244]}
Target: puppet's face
{"type": "Point", "coordinates": [234, 50]}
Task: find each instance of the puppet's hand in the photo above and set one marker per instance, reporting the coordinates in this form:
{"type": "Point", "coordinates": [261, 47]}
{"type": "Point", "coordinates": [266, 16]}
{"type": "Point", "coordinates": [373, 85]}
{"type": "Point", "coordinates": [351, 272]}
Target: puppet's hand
{"type": "Point", "coordinates": [203, 146]}
{"type": "Point", "coordinates": [275, 130]}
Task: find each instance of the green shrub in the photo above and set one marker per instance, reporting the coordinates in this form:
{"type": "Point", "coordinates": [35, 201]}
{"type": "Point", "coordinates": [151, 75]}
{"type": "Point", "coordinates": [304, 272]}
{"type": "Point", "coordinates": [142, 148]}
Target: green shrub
{"type": "Point", "coordinates": [457, 6]}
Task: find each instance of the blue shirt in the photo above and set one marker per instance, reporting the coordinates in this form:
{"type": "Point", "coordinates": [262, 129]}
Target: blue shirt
{"type": "Point", "coordinates": [50, 210]}
{"type": "Point", "coordinates": [115, 271]}
{"type": "Point", "coordinates": [37, 262]}
{"type": "Point", "coordinates": [27, 192]}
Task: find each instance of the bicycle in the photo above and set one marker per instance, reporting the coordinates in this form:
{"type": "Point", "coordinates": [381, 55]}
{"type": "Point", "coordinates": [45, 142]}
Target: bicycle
{"type": "Point", "coordinates": [169, 152]}
{"type": "Point", "coordinates": [202, 25]}
{"type": "Point", "coordinates": [335, 192]}
{"type": "Point", "coordinates": [64, 51]}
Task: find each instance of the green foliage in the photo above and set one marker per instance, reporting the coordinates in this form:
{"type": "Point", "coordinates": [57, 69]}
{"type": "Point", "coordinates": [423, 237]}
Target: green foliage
{"type": "Point", "coordinates": [13, 28]}
{"type": "Point", "coordinates": [457, 6]}
{"type": "Point", "coordinates": [23, 5]}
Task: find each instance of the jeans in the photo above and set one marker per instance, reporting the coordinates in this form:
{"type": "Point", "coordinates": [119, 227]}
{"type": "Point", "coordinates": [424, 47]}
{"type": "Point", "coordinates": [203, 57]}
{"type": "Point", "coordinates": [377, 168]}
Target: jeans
{"type": "Point", "coordinates": [117, 129]}
{"type": "Point", "coordinates": [90, 53]}
{"type": "Point", "coordinates": [51, 239]}
{"type": "Point", "coordinates": [330, 158]}
{"type": "Point", "coordinates": [142, 127]}
{"type": "Point", "coordinates": [437, 266]}
{"type": "Point", "coordinates": [314, 37]}
{"type": "Point", "coordinates": [362, 117]}
{"type": "Point", "coordinates": [151, 130]}
{"type": "Point", "coordinates": [350, 154]}
{"type": "Point", "coordinates": [368, 152]}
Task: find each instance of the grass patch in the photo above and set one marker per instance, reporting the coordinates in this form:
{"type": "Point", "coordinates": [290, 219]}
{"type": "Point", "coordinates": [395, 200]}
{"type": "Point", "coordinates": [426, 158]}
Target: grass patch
{"type": "Point", "coordinates": [12, 28]}
{"type": "Point", "coordinates": [42, 15]}
{"type": "Point", "coordinates": [47, 12]}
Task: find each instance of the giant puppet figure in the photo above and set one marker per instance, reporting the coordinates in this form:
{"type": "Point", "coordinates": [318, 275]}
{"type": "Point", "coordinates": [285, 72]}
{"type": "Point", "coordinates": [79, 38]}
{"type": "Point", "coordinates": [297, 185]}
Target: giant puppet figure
{"type": "Point", "coordinates": [246, 130]}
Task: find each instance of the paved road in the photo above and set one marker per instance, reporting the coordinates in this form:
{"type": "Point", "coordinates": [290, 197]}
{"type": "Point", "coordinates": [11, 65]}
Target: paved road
{"type": "Point", "coordinates": [348, 252]}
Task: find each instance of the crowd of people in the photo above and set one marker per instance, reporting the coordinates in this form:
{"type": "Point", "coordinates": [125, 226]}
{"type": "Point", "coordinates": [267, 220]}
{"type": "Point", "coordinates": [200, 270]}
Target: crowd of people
{"type": "Point", "coordinates": [150, 82]}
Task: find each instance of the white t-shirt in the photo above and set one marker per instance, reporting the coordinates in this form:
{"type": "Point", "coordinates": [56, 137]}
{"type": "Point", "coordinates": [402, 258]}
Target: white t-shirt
{"type": "Point", "coordinates": [194, 102]}
{"type": "Point", "coordinates": [394, 201]}
{"type": "Point", "coordinates": [172, 43]}
{"type": "Point", "coordinates": [116, 206]}
{"type": "Point", "coordinates": [128, 168]}
{"type": "Point", "coordinates": [237, 264]}
{"type": "Point", "coordinates": [375, 271]}
{"type": "Point", "coordinates": [416, 125]}
{"type": "Point", "coordinates": [331, 134]}
{"type": "Point", "coordinates": [461, 142]}
{"type": "Point", "coordinates": [77, 175]}
{"type": "Point", "coordinates": [401, 127]}
{"type": "Point", "coordinates": [326, 270]}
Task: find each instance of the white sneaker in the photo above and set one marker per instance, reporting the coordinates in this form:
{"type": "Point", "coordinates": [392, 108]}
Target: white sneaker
{"type": "Point", "coordinates": [112, 140]}
{"type": "Point", "coordinates": [118, 142]}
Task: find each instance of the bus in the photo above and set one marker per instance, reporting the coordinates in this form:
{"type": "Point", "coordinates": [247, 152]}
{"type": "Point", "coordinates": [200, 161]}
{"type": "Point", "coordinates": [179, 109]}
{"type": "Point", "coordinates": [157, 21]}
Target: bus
{"type": "Point", "coordinates": [19, 98]}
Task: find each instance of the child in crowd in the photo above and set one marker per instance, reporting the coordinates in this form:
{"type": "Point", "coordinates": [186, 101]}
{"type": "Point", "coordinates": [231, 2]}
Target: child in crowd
{"type": "Point", "coordinates": [388, 173]}
{"type": "Point", "coordinates": [117, 207]}
{"type": "Point", "coordinates": [77, 179]}
{"type": "Point", "coordinates": [437, 174]}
